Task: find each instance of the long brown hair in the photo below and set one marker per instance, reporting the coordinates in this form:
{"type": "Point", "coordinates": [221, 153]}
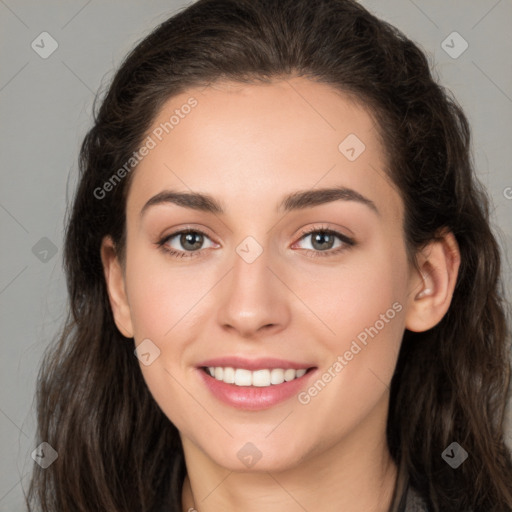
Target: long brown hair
{"type": "Point", "coordinates": [117, 450]}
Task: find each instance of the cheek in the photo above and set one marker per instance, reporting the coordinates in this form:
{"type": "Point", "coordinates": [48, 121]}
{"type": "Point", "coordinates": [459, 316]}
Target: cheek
{"type": "Point", "coordinates": [354, 297]}
{"type": "Point", "coordinates": [162, 308]}
{"type": "Point", "coordinates": [365, 313]}
{"type": "Point", "coordinates": [161, 296]}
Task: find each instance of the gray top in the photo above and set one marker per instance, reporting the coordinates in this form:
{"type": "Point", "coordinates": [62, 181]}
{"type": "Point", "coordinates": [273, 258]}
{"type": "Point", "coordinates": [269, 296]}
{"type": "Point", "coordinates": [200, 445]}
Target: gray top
{"type": "Point", "coordinates": [414, 502]}
{"type": "Point", "coordinates": [405, 497]}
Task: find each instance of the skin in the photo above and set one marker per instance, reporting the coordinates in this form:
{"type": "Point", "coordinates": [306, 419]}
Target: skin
{"type": "Point", "coordinates": [248, 146]}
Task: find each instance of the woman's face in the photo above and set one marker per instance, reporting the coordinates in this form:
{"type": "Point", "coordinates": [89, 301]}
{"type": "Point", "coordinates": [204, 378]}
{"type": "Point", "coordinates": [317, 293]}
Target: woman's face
{"type": "Point", "coordinates": [249, 288]}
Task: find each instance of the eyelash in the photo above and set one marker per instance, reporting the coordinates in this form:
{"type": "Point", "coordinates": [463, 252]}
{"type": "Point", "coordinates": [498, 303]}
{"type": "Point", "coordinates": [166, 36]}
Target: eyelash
{"type": "Point", "coordinates": [348, 242]}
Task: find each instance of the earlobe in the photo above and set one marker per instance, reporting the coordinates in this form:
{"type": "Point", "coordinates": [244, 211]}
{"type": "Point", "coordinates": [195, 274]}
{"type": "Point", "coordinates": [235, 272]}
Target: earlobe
{"type": "Point", "coordinates": [431, 289]}
{"type": "Point", "coordinates": [114, 280]}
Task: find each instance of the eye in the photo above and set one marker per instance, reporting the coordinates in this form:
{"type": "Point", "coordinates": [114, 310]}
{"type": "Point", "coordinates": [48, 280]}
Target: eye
{"type": "Point", "coordinates": [191, 240]}
{"type": "Point", "coordinates": [323, 241]}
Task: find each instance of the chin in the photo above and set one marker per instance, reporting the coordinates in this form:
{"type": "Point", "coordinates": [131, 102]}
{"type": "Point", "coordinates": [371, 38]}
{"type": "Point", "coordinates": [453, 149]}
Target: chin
{"type": "Point", "coordinates": [258, 456]}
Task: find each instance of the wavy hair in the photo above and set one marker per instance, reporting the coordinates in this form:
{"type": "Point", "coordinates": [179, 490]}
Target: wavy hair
{"type": "Point", "coordinates": [117, 450]}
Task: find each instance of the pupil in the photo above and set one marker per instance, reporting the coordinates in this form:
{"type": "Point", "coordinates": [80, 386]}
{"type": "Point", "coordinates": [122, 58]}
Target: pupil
{"type": "Point", "coordinates": [188, 238]}
{"type": "Point", "coordinates": [321, 237]}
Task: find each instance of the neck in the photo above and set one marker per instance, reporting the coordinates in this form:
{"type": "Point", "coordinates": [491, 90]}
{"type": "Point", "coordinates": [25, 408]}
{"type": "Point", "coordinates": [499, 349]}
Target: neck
{"type": "Point", "coordinates": [357, 474]}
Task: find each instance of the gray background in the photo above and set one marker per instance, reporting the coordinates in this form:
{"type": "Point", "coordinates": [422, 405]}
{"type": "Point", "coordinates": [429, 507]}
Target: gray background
{"type": "Point", "coordinates": [45, 110]}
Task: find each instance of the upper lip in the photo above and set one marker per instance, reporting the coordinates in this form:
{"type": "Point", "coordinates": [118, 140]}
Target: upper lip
{"type": "Point", "coordinates": [254, 364]}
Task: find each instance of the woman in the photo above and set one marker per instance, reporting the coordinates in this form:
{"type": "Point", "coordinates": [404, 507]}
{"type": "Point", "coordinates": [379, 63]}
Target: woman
{"type": "Point", "coordinates": [364, 371]}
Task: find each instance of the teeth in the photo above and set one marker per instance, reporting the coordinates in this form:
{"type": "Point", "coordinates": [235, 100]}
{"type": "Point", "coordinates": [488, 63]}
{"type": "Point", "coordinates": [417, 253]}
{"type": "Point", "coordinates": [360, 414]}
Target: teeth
{"type": "Point", "coordinates": [261, 378]}
{"type": "Point", "coordinates": [229, 376]}
{"type": "Point", "coordinates": [258, 378]}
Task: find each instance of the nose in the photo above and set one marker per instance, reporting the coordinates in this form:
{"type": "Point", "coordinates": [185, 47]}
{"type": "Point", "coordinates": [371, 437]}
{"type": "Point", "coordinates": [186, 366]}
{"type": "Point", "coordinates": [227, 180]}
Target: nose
{"type": "Point", "coordinates": [254, 298]}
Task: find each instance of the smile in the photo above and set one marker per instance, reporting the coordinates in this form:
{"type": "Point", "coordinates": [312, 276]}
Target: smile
{"type": "Point", "coordinates": [254, 384]}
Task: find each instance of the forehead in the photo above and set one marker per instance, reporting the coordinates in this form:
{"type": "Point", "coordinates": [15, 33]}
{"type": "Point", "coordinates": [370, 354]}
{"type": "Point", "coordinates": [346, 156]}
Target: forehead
{"type": "Point", "coordinates": [257, 142]}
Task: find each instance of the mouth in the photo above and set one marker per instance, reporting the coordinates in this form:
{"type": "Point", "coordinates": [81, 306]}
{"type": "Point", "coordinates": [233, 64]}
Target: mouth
{"type": "Point", "coordinates": [254, 384]}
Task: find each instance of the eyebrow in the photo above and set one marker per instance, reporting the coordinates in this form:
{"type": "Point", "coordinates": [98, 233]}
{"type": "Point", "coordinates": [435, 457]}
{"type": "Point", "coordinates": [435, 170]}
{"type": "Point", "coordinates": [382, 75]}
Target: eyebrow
{"type": "Point", "coordinates": [298, 200]}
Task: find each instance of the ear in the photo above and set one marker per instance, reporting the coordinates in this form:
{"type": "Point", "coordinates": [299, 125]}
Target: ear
{"type": "Point", "coordinates": [116, 288]}
{"type": "Point", "coordinates": [431, 289]}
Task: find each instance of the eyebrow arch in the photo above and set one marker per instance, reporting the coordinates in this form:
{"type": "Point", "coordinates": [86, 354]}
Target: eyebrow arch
{"type": "Point", "coordinates": [298, 200]}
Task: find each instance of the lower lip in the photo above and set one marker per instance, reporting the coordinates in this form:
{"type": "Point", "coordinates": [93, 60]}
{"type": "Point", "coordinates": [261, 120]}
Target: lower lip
{"type": "Point", "coordinates": [254, 398]}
